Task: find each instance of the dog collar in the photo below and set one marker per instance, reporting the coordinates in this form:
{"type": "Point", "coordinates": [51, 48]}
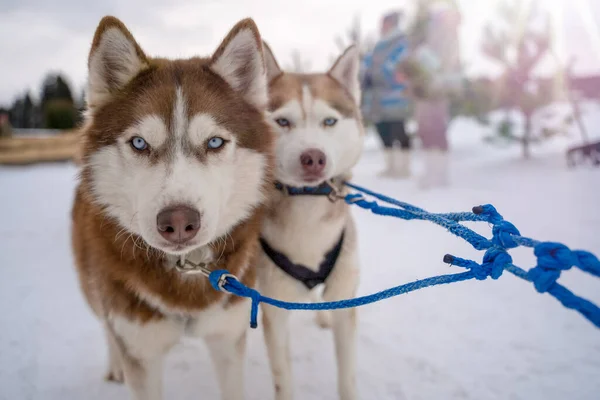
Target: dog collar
{"type": "Point", "coordinates": [329, 188]}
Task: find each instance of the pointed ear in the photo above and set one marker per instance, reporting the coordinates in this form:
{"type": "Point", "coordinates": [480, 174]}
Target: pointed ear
{"type": "Point", "coordinates": [273, 70]}
{"type": "Point", "coordinates": [115, 59]}
{"type": "Point", "coordinates": [239, 61]}
{"type": "Point", "coordinates": [345, 71]}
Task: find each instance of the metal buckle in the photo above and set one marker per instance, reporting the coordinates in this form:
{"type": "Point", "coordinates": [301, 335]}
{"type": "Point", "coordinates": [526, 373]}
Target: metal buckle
{"type": "Point", "coordinates": [187, 267]}
{"type": "Point", "coordinates": [336, 193]}
{"type": "Point", "coordinates": [223, 280]}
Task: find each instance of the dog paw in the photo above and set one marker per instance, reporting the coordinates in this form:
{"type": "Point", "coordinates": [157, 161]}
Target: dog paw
{"type": "Point", "coordinates": [324, 319]}
{"type": "Point", "coordinates": [114, 375]}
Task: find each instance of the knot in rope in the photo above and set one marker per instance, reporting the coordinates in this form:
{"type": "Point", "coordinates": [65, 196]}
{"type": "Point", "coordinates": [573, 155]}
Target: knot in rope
{"type": "Point", "coordinates": [553, 258]}
{"type": "Point", "coordinates": [504, 233]}
{"type": "Point", "coordinates": [494, 262]}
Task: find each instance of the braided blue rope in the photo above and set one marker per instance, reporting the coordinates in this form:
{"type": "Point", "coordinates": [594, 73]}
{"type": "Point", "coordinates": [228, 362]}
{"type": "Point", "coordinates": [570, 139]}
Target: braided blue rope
{"type": "Point", "coordinates": [552, 259]}
{"type": "Point", "coordinates": [237, 288]}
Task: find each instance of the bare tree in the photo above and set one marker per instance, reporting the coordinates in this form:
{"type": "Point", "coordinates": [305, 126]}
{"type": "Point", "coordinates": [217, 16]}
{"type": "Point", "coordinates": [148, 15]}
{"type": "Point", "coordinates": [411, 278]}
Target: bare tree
{"type": "Point", "coordinates": [518, 41]}
{"type": "Point", "coordinates": [354, 35]}
{"type": "Point", "coordinates": [298, 63]}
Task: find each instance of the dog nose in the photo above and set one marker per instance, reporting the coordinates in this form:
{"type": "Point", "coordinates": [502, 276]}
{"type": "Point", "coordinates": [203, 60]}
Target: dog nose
{"type": "Point", "coordinates": [313, 161]}
{"type": "Point", "coordinates": [178, 224]}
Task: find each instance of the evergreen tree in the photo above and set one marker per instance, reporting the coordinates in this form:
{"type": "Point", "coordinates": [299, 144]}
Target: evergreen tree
{"type": "Point", "coordinates": [28, 112]}
{"type": "Point", "coordinates": [57, 104]}
{"type": "Point", "coordinates": [16, 113]}
{"type": "Point", "coordinates": [55, 87]}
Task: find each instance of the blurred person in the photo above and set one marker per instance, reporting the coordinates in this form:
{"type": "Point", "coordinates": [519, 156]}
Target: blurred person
{"type": "Point", "coordinates": [433, 69]}
{"type": "Point", "coordinates": [387, 104]}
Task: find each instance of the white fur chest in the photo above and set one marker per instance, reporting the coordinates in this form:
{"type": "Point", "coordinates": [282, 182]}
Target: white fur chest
{"type": "Point", "coordinates": [305, 229]}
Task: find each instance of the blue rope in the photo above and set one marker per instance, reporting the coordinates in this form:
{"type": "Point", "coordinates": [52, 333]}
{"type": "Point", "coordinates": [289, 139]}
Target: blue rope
{"type": "Point", "coordinates": [237, 288]}
{"type": "Point", "coordinates": [552, 259]}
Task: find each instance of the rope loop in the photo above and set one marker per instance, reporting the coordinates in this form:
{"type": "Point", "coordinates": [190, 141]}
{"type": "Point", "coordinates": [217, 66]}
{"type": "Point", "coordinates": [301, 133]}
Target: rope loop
{"type": "Point", "coordinates": [222, 280]}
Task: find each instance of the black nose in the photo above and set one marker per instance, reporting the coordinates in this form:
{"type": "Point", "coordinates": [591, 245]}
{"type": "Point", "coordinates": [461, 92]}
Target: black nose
{"type": "Point", "coordinates": [178, 224]}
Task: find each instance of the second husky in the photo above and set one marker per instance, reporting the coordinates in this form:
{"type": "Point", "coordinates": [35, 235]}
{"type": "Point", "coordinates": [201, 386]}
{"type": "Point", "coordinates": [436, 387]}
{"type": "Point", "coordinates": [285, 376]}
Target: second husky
{"type": "Point", "coordinates": [309, 237]}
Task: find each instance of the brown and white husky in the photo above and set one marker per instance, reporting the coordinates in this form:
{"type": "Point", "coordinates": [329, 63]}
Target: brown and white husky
{"type": "Point", "coordinates": [308, 237]}
{"type": "Point", "coordinates": [176, 161]}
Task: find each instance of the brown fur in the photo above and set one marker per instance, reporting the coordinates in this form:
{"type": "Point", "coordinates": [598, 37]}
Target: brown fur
{"type": "Point", "coordinates": [288, 86]}
{"type": "Point", "coordinates": [115, 267]}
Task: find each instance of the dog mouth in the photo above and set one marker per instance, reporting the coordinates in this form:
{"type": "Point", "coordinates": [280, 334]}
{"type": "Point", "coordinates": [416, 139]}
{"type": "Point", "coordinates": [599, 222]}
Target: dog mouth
{"type": "Point", "coordinates": [313, 178]}
{"type": "Point", "coordinates": [302, 179]}
{"type": "Point", "coordinates": [178, 249]}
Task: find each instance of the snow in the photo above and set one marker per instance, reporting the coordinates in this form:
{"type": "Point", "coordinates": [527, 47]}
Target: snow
{"type": "Point", "coordinates": [471, 340]}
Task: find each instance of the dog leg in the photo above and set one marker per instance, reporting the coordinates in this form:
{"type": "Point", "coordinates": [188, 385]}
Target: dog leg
{"type": "Point", "coordinates": [144, 378]}
{"type": "Point", "coordinates": [115, 359]}
{"type": "Point", "coordinates": [343, 286]}
{"type": "Point", "coordinates": [344, 332]}
{"type": "Point", "coordinates": [142, 348]}
{"type": "Point", "coordinates": [275, 322]}
{"type": "Point", "coordinates": [323, 317]}
{"type": "Point", "coordinates": [228, 354]}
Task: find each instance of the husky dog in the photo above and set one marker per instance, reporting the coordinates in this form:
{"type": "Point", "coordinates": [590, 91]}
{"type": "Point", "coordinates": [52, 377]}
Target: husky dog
{"type": "Point", "coordinates": [308, 236]}
{"type": "Point", "coordinates": [176, 161]}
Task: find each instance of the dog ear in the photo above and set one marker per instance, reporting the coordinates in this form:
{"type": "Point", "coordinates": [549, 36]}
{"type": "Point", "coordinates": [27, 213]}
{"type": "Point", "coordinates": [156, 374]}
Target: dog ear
{"type": "Point", "coordinates": [114, 60]}
{"type": "Point", "coordinates": [239, 61]}
{"type": "Point", "coordinates": [345, 71]}
{"type": "Point", "coordinates": [273, 70]}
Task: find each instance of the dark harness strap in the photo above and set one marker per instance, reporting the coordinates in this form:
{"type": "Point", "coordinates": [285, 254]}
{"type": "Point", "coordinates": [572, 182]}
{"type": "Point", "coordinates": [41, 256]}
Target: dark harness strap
{"type": "Point", "coordinates": [308, 277]}
{"type": "Point", "coordinates": [324, 189]}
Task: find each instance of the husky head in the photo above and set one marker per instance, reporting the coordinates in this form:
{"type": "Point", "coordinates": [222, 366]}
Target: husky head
{"type": "Point", "coordinates": [317, 118]}
{"type": "Point", "coordinates": [177, 151]}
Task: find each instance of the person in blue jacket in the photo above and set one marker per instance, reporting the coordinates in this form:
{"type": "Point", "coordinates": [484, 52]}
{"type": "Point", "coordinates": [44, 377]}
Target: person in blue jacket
{"type": "Point", "coordinates": [386, 102]}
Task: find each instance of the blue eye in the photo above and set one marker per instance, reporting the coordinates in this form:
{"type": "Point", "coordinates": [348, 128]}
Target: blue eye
{"type": "Point", "coordinates": [329, 121]}
{"type": "Point", "coordinates": [283, 122]}
{"type": "Point", "coordinates": [215, 143]}
{"type": "Point", "coordinates": [139, 143]}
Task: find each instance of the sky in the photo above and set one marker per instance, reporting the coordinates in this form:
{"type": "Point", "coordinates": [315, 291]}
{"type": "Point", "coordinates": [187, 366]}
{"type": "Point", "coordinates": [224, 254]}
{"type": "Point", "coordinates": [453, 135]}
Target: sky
{"type": "Point", "coordinates": [39, 36]}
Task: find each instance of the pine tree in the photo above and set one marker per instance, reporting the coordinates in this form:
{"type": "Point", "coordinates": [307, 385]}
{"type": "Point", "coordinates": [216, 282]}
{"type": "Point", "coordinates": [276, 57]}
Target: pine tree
{"type": "Point", "coordinates": [28, 112]}
{"type": "Point", "coordinates": [16, 113]}
{"type": "Point", "coordinates": [55, 87]}
{"type": "Point", "coordinates": [57, 103]}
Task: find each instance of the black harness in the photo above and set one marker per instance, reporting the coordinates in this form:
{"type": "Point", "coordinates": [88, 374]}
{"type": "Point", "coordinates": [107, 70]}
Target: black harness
{"type": "Point", "coordinates": [307, 276]}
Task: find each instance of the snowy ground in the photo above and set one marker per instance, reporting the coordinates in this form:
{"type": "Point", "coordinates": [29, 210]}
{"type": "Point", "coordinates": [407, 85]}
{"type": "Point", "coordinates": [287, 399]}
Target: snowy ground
{"type": "Point", "coordinates": [472, 340]}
